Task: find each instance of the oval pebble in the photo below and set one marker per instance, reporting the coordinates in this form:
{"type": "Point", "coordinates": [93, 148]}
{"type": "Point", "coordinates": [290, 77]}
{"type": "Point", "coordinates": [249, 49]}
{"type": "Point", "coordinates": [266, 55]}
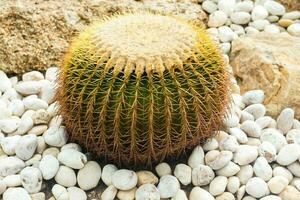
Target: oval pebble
{"type": "Point", "coordinates": [124, 179]}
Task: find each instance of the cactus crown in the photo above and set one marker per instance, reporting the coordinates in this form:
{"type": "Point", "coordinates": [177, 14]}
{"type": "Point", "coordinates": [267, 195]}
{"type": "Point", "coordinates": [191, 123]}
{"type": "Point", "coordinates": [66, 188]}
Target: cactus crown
{"type": "Point", "coordinates": [136, 88]}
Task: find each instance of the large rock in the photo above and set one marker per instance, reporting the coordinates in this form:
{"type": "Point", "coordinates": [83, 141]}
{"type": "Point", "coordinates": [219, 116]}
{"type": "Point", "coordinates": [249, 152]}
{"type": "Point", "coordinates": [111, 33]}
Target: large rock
{"type": "Point", "coordinates": [271, 63]}
{"type": "Point", "coordinates": [34, 34]}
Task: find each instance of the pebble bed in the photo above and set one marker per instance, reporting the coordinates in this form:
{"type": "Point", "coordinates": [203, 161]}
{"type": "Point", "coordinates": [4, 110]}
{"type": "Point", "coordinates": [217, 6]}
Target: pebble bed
{"type": "Point", "coordinates": [254, 157]}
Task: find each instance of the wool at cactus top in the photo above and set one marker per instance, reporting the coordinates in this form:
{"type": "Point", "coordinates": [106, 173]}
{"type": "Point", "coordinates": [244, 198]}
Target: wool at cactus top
{"type": "Point", "coordinates": [137, 88]}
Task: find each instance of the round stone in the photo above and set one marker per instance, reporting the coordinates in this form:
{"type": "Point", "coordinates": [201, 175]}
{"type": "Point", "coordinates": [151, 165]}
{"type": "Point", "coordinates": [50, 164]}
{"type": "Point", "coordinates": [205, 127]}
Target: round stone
{"type": "Point", "coordinates": [124, 179]}
{"type": "Point", "coordinates": [274, 8]}
{"type": "Point", "coordinates": [202, 175]}
{"type": "Point", "coordinates": [76, 193]}
{"type": "Point", "coordinates": [163, 169]}
{"type": "Point", "coordinates": [218, 185]}
{"type": "Point", "coordinates": [196, 158]}
{"type": "Point", "coordinates": [147, 192]}
{"type": "Point", "coordinates": [245, 173]}
{"type": "Point", "coordinates": [285, 120]}
{"type": "Point", "coordinates": [267, 150]}
{"type": "Point", "coordinates": [209, 6]}
{"type": "Point", "coordinates": [72, 158]}
{"type": "Point", "coordinates": [26, 146]}
{"type": "Point", "coordinates": [49, 166]}
{"type": "Point", "coordinates": [245, 154]}
{"type": "Point", "coordinates": [262, 169]}
{"type": "Point", "coordinates": [257, 187]}
{"type": "Point", "coordinates": [233, 184]}
{"type": "Point", "coordinates": [88, 177]}
{"type": "Point", "coordinates": [288, 154]}
{"type": "Point", "coordinates": [16, 193]}
{"type": "Point", "coordinates": [217, 19]}
{"type": "Point", "coordinates": [107, 173]}
{"type": "Point", "coordinates": [294, 29]}
{"type": "Point", "coordinates": [109, 193]}
{"type": "Point", "coordinates": [183, 173]}
{"type": "Point", "coordinates": [168, 186]}
{"type": "Point", "coordinates": [240, 17]}
{"type": "Point", "coordinates": [277, 184]}
{"type": "Point", "coordinates": [31, 178]}
{"type": "Point", "coordinates": [60, 192]}
{"type": "Point", "coordinates": [198, 193]}
{"type": "Point", "coordinates": [10, 166]}
{"type": "Point", "coordinates": [259, 12]}
{"type": "Point", "coordinates": [65, 176]}
{"type": "Point", "coordinates": [274, 137]}
{"type": "Point", "coordinates": [218, 159]}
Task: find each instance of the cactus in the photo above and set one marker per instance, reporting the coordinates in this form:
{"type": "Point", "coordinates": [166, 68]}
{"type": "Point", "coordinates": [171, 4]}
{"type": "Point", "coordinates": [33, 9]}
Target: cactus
{"type": "Point", "coordinates": [140, 87]}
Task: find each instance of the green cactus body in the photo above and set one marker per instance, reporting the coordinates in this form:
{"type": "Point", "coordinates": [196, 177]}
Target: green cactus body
{"type": "Point", "coordinates": [137, 88]}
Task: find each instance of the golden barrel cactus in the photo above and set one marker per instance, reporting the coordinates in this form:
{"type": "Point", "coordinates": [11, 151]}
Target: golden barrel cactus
{"type": "Point", "coordinates": [139, 87]}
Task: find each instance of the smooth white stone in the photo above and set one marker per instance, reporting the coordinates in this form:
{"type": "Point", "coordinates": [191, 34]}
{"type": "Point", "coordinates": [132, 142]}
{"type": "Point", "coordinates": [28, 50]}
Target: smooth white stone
{"type": "Point", "coordinates": [107, 173]}
{"type": "Point", "coordinates": [11, 94]}
{"type": "Point", "coordinates": [47, 92]}
{"type": "Point", "coordinates": [259, 24]}
{"type": "Point", "coordinates": [217, 19]}
{"type": "Point", "coordinates": [33, 103]}
{"type": "Point", "coordinates": [8, 144]}
{"type": "Point", "coordinates": [65, 176]}
{"type": "Point", "coordinates": [293, 15]}
{"type": "Point", "coordinates": [233, 184]}
{"type": "Point", "coordinates": [274, 137]}
{"type": "Point", "coordinates": [251, 128]}
{"type": "Point", "coordinates": [218, 185]}
{"type": "Point", "coordinates": [72, 158]}
{"type": "Point", "coordinates": [229, 143]}
{"type": "Point", "coordinates": [73, 146]}
{"type": "Point", "coordinates": [245, 173]}
{"type": "Point", "coordinates": [231, 120]}
{"type": "Point", "coordinates": [229, 170]}
{"type": "Point", "coordinates": [288, 154]}
{"type": "Point", "coordinates": [209, 6]}
{"type": "Point", "coordinates": [41, 117]}
{"type": "Point", "coordinates": [76, 193]}
{"type": "Point", "coordinates": [218, 159]}
{"type": "Point", "coordinates": [264, 122]}
{"type": "Point", "coordinates": [26, 146]}
{"type": "Point", "coordinates": [240, 17]}
{"type": "Point", "coordinates": [60, 192]}
{"type": "Point", "coordinates": [32, 76]}
{"type": "Point", "coordinates": [226, 34]}
{"type": "Point", "coordinates": [17, 107]}
{"type": "Point", "coordinates": [28, 87]}
{"type": "Point", "coordinates": [89, 176]}
{"type": "Point", "coordinates": [268, 151]}
{"type": "Point", "coordinates": [163, 169]}
{"type": "Point", "coordinates": [271, 197]}
{"type": "Point", "coordinates": [253, 142]}
{"type": "Point", "coordinates": [293, 136]}
{"type": "Point", "coordinates": [294, 168]}
{"type": "Point", "coordinates": [51, 151]}
{"type": "Point", "coordinates": [183, 173]}
{"type": "Point", "coordinates": [10, 166]}
{"type": "Point", "coordinates": [244, 6]}
{"type": "Point", "coordinates": [273, 18]}
{"type": "Point", "coordinates": [277, 184]}
{"type": "Point", "coordinates": [262, 169]}
{"type": "Point", "coordinates": [34, 161]}
{"type": "Point", "coordinates": [17, 193]}
{"type": "Point", "coordinates": [12, 180]}
{"type": "Point", "coordinates": [202, 175]}
{"type": "Point", "coordinates": [168, 186]}
{"type": "Point", "coordinates": [285, 120]}
{"type": "Point", "coordinates": [31, 179]}
{"type": "Point", "coordinates": [251, 30]}
{"type": "Point", "coordinates": [241, 192]}
{"type": "Point", "coordinates": [5, 83]}
{"type": "Point", "coordinates": [180, 195]}
{"type": "Point", "coordinates": [210, 144]}
{"type": "Point", "coordinates": [38, 130]}
{"type": "Point", "coordinates": [56, 121]}
{"type": "Point", "coordinates": [225, 47]}
{"type": "Point", "coordinates": [294, 29]}
{"type": "Point", "coordinates": [257, 110]}
{"type": "Point", "coordinates": [9, 125]}
{"type": "Point", "coordinates": [124, 179]}
{"type": "Point", "coordinates": [49, 166]}
{"type": "Point", "coordinates": [109, 193]}
{"type": "Point", "coordinates": [2, 187]}
{"type": "Point", "coordinates": [274, 8]}
{"type": "Point", "coordinates": [198, 193]}
{"type": "Point", "coordinates": [51, 74]}
{"type": "Point", "coordinates": [273, 29]}
{"type": "Point", "coordinates": [5, 111]}
{"type": "Point", "coordinates": [25, 125]}
{"type": "Point", "coordinates": [239, 135]}
{"type": "Point", "coordinates": [53, 110]}
{"type": "Point", "coordinates": [56, 136]}
{"type": "Point", "coordinates": [197, 157]}
{"type": "Point", "coordinates": [281, 171]}
{"type": "Point", "coordinates": [259, 12]}
{"type": "Point", "coordinates": [245, 154]}
{"type": "Point", "coordinates": [147, 192]}
{"type": "Point", "coordinates": [238, 29]}
{"type": "Point", "coordinates": [226, 5]}
{"type": "Point", "coordinates": [257, 187]}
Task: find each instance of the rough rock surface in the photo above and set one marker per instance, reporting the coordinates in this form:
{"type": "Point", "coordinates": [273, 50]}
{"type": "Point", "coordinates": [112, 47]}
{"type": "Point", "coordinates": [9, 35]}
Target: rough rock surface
{"type": "Point", "coordinates": [271, 63]}
{"type": "Point", "coordinates": [36, 33]}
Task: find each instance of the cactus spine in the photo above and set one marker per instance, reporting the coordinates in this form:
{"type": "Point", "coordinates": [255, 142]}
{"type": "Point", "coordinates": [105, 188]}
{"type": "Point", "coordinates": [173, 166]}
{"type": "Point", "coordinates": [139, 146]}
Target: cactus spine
{"type": "Point", "coordinates": [140, 87]}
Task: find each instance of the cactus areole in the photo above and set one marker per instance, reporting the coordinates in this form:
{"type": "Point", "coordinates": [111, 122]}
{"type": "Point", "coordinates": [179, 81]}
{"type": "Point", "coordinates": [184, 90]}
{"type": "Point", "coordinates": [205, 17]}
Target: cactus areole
{"type": "Point", "coordinates": [140, 87]}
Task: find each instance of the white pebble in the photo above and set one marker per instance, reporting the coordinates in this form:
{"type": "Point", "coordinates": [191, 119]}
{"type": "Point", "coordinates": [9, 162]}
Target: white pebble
{"type": "Point", "coordinates": [244, 6]}
{"type": "Point", "coordinates": [198, 193]}
{"type": "Point", "coordinates": [202, 175]}
{"type": "Point", "coordinates": [33, 103]}
{"type": "Point", "coordinates": [273, 29]}
{"type": "Point", "coordinates": [197, 157]}
{"type": "Point", "coordinates": [49, 166]}
{"type": "Point", "coordinates": [264, 122]}
{"type": "Point", "coordinates": [245, 173]}
{"type": "Point", "coordinates": [9, 125]}
{"type": "Point", "coordinates": [17, 107]}
{"type": "Point", "coordinates": [73, 146]}
{"type": "Point", "coordinates": [5, 83]}
{"type": "Point", "coordinates": [240, 17]}
{"type": "Point", "coordinates": [32, 76]}
{"type": "Point", "coordinates": [76, 193]}
{"type": "Point", "coordinates": [274, 137]}
{"type": "Point", "coordinates": [48, 91]}
{"type": "Point", "coordinates": [72, 158]}
{"type": "Point", "coordinates": [217, 19]}
{"type": "Point", "coordinates": [277, 184]}
{"type": "Point", "coordinates": [245, 154]}
{"type": "Point", "coordinates": [56, 136]}
{"type": "Point", "coordinates": [60, 192]}
{"type": "Point", "coordinates": [294, 168]}
{"type": "Point", "coordinates": [239, 135]}
{"type": "Point", "coordinates": [17, 193]}
{"type": "Point", "coordinates": [262, 169]}
{"type": "Point", "coordinates": [51, 74]}
{"type": "Point", "coordinates": [109, 193]}
{"type": "Point", "coordinates": [25, 125]}
{"type": "Point", "coordinates": [294, 29]}
{"type": "Point", "coordinates": [8, 144]}
{"type": "Point", "coordinates": [31, 179]}
{"type": "Point", "coordinates": [147, 192]}
{"type": "Point", "coordinates": [229, 143]}
{"type": "Point", "coordinates": [183, 173]}
{"type": "Point", "coordinates": [26, 146]}
{"type": "Point", "coordinates": [226, 5]}
{"type": "Point", "coordinates": [107, 173]}
{"type": "Point", "coordinates": [218, 159]}
{"type": "Point", "coordinates": [124, 179]}
{"type": "Point", "coordinates": [259, 12]}
{"type": "Point", "coordinates": [209, 6]}
{"type": "Point", "coordinates": [288, 154]}
{"type": "Point", "coordinates": [285, 120]}
{"type": "Point", "coordinates": [168, 186]}
{"type": "Point", "coordinates": [229, 170]}
{"type": "Point", "coordinates": [259, 24]}
{"type": "Point", "coordinates": [28, 87]}
{"type": "Point", "coordinates": [251, 128]}
{"type": "Point", "coordinates": [257, 110]}
{"type": "Point", "coordinates": [233, 184]}
{"type": "Point", "coordinates": [226, 34]}
{"type": "Point", "coordinates": [268, 151]}
{"type": "Point", "coordinates": [274, 8]}
{"type": "Point", "coordinates": [65, 176]}
{"type": "Point", "coordinates": [12, 180]}
{"type": "Point", "coordinates": [11, 165]}
{"type": "Point", "coordinates": [257, 187]}
{"type": "Point", "coordinates": [218, 185]}
{"type": "Point", "coordinates": [281, 171]}
{"type": "Point", "coordinates": [148, 177]}
{"type": "Point", "coordinates": [210, 144]}
{"type": "Point", "coordinates": [89, 176]}
{"type": "Point", "coordinates": [293, 136]}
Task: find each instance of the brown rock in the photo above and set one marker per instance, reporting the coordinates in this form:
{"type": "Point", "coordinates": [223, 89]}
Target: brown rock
{"type": "Point", "coordinates": [271, 63]}
{"type": "Point", "coordinates": [285, 22]}
{"type": "Point", "coordinates": [34, 34]}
